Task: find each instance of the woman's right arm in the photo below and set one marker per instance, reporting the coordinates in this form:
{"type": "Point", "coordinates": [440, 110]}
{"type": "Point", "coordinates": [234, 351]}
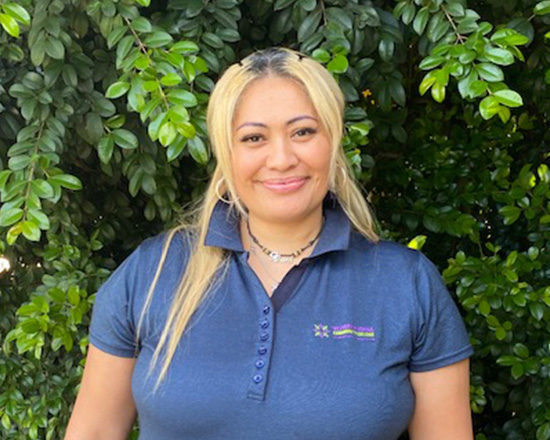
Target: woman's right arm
{"type": "Point", "coordinates": [104, 408]}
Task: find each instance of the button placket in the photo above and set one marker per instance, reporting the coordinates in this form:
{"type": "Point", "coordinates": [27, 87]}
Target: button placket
{"type": "Point", "coordinates": [262, 355]}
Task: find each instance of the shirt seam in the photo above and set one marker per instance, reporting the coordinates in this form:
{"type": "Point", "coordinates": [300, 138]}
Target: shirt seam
{"type": "Point", "coordinates": [456, 354]}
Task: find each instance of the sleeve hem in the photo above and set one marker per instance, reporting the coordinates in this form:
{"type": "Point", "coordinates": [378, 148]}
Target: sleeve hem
{"type": "Point", "coordinates": [443, 361]}
{"type": "Point", "coordinates": [115, 351]}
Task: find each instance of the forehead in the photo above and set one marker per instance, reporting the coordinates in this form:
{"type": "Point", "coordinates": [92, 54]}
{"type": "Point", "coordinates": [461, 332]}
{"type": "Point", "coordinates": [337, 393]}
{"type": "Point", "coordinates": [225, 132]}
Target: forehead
{"type": "Point", "coordinates": [272, 98]}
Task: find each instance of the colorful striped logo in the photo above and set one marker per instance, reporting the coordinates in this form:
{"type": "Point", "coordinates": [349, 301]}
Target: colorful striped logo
{"type": "Point", "coordinates": [345, 331]}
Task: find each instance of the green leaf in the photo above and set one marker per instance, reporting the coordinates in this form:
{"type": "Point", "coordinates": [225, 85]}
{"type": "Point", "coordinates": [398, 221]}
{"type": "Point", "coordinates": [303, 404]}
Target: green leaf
{"type": "Point", "coordinates": [386, 49]}
{"type": "Point", "coordinates": [54, 48]}
{"type": "Point", "coordinates": [537, 310]}
{"type": "Point", "coordinates": [158, 39]}
{"type": "Point", "coordinates": [115, 35]}
{"type": "Point", "coordinates": [282, 4]}
{"type": "Point", "coordinates": [340, 16]}
{"type": "Point", "coordinates": [198, 150]}
{"type": "Point", "coordinates": [123, 48]}
{"type": "Point", "coordinates": [31, 231]}
{"type": "Point", "coordinates": [542, 8]}
{"type": "Point", "coordinates": [93, 127]}
{"type": "Point", "coordinates": [510, 213]}
{"type": "Point", "coordinates": [73, 295]}
{"type": "Point", "coordinates": [212, 40]}
{"type": "Point", "coordinates": [508, 37]}
{"type": "Point", "coordinates": [438, 92]}
{"type": "Point", "coordinates": [167, 133]}
{"type": "Point", "coordinates": [39, 218]}
{"type": "Point", "coordinates": [10, 216]}
{"type": "Point", "coordinates": [66, 181]}
{"type": "Point", "coordinates": [502, 57]}
{"type": "Point", "coordinates": [154, 126]}
{"type": "Point", "coordinates": [421, 20]}
{"type": "Point", "coordinates": [105, 148]}
{"type": "Point", "coordinates": [426, 84]}
{"type": "Point", "coordinates": [543, 431]}
{"type": "Point", "coordinates": [490, 72]}
{"type": "Point", "coordinates": [455, 9]}
{"type": "Point", "coordinates": [184, 47]}
{"type": "Point", "coordinates": [321, 55]}
{"type": "Point", "coordinates": [182, 97]}
{"type": "Point", "coordinates": [484, 308]}
{"type": "Point", "coordinates": [117, 89]}
{"type": "Point", "coordinates": [508, 98]}
{"type": "Point", "coordinates": [417, 242]}
{"type": "Point", "coordinates": [141, 24]}
{"type": "Point", "coordinates": [517, 371]}
{"type": "Point", "coordinates": [4, 176]}
{"type": "Point", "coordinates": [339, 64]}
{"type": "Point", "coordinates": [10, 25]}
{"type": "Point", "coordinates": [170, 79]}
{"type": "Point", "coordinates": [19, 162]}
{"type": "Point", "coordinates": [507, 361]}
{"type": "Point", "coordinates": [148, 184]}
{"type": "Point", "coordinates": [229, 35]}
{"type": "Point", "coordinates": [42, 188]}
{"type": "Point", "coordinates": [431, 62]}
{"type": "Point", "coordinates": [125, 139]}
{"type": "Point", "coordinates": [18, 12]}
{"type": "Point", "coordinates": [175, 148]}
{"type": "Point", "coordinates": [309, 25]}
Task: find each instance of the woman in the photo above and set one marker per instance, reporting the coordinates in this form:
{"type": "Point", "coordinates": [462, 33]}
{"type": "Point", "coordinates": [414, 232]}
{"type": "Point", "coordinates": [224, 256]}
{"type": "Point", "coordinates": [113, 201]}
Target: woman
{"type": "Point", "coordinates": [292, 320]}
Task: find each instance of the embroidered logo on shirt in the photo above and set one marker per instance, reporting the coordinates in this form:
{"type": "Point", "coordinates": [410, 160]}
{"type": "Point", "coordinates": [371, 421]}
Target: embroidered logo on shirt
{"type": "Point", "coordinates": [321, 331]}
{"type": "Point", "coordinates": [345, 331]}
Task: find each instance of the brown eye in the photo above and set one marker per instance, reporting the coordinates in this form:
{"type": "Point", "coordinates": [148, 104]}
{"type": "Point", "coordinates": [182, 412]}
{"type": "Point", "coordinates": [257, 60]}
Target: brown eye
{"type": "Point", "coordinates": [251, 138]}
{"type": "Point", "coordinates": [305, 131]}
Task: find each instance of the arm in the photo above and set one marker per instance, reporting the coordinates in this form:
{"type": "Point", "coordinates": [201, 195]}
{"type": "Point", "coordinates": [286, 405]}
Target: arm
{"type": "Point", "coordinates": [442, 409]}
{"type": "Point", "coordinates": [104, 408]}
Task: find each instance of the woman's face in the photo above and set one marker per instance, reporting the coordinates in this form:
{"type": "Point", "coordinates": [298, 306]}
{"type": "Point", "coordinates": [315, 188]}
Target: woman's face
{"type": "Point", "coordinates": [281, 153]}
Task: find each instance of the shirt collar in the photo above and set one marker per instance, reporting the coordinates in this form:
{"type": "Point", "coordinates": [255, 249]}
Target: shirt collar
{"type": "Point", "coordinates": [224, 231]}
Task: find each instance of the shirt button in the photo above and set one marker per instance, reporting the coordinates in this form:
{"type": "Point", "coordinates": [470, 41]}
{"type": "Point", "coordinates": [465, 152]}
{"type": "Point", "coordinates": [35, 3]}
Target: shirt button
{"type": "Point", "coordinates": [260, 363]}
{"type": "Point", "coordinates": [264, 336]}
{"type": "Point", "coordinates": [258, 378]}
{"type": "Point", "coordinates": [266, 310]}
{"type": "Point", "coordinates": [265, 324]}
{"type": "Point", "coordinates": [262, 350]}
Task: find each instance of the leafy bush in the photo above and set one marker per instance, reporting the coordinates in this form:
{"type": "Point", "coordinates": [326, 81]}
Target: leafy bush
{"type": "Point", "coordinates": [102, 140]}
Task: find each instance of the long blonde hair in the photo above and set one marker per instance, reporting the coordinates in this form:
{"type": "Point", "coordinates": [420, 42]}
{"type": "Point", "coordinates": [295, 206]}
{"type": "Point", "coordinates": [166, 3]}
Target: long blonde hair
{"type": "Point", "coordinates": [207, 265]}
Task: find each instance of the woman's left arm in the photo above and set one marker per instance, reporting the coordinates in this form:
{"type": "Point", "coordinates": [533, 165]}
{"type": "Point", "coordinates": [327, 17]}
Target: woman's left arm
{"type": "Point", "coordinates": [442, 409]}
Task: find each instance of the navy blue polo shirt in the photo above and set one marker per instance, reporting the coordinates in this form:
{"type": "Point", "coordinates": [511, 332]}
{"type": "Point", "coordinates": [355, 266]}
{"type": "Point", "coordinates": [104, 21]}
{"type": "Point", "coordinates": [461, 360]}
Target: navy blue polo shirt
{"type": "Point", "coordinates": [327, 357]}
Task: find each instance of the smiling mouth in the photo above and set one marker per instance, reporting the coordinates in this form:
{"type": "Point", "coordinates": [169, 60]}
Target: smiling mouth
{"type": "Point", "coordinates": [284, 185]}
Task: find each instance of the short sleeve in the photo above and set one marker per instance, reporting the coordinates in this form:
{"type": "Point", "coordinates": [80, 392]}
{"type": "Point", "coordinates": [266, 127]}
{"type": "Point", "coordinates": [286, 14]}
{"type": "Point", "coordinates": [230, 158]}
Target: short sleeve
{"type": "Point", "coordinates": [112, 327]}
{"type": "Point", "coordinates": [440, 337]}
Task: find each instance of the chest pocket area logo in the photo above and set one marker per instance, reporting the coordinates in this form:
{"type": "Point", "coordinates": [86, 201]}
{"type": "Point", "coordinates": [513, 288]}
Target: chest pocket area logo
{"type": "Point", "coordinates": [345, 331]}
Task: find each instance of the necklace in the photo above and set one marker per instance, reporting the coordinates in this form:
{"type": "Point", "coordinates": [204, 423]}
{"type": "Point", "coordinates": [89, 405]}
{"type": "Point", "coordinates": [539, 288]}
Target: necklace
{"type": "Point", "coordinates": [278, 257]}
{"type": "Point", "coordinates": [274, 282]}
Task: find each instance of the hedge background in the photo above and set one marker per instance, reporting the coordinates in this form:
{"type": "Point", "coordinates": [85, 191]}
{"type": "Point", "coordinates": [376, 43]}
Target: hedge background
{"type": "Point", "coordinates": [102, 141]}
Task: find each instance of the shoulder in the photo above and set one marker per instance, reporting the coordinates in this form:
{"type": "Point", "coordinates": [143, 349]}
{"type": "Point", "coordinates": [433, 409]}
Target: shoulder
{"type": "Point", "coordinates": [386, 253]}
{"type": "Point", "coordinates": [168, 245]}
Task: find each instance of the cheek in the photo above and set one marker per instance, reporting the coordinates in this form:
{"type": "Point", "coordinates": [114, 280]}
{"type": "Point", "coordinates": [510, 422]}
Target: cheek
{"type": "Point", "coordinates": [319, 160]}
{"type": "Point", "coordinates": [244, 167]}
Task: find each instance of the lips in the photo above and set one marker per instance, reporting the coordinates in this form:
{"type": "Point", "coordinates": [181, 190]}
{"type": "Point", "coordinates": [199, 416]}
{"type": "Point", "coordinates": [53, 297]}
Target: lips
{"type": "Point", "coordinates": [284, 185]}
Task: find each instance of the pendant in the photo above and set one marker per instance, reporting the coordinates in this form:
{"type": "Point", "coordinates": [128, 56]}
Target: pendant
{"type": "Point", "coordinates": [278, 258]}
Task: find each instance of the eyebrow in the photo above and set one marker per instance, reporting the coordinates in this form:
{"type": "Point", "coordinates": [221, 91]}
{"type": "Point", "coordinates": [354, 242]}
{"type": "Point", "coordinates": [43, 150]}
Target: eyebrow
{"type": "Point", "coordinates": [291, 121]}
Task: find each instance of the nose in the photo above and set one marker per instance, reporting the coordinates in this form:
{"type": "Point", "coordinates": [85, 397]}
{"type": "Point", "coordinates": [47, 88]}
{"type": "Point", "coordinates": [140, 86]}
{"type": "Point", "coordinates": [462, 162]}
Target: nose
{"type": "Point", "coordinates": [281, 154]}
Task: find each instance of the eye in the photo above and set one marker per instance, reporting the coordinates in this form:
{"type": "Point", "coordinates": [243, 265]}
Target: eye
{"type": "Point", "coordinates": [305, 131]}
{"type": "Point", "coordinates": [251, 138]}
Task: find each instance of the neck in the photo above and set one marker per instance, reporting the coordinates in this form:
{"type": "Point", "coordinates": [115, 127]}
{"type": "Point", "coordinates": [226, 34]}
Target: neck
{"type": "Point", "coordinates": [282, 237]}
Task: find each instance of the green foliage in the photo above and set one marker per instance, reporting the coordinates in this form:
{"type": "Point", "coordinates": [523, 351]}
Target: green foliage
{"type": "Point", "coordinates": [102, 140]}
